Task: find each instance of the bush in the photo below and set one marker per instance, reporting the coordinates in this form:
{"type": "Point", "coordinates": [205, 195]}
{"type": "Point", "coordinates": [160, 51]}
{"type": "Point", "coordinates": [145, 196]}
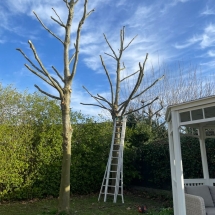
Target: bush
{"type": "Point", "coordinates": [90, 149]}
{"type": "Point", "coordinates": [31, 148]}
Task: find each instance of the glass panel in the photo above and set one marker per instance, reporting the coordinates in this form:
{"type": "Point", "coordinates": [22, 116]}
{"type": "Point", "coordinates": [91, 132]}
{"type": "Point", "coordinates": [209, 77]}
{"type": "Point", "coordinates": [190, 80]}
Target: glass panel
{"type": "Point", "coordinates": [197, 114]}
{"type": "Point", "coordinates": [185, 116]}
{"type": "Point", "coordinates": [209, 112]}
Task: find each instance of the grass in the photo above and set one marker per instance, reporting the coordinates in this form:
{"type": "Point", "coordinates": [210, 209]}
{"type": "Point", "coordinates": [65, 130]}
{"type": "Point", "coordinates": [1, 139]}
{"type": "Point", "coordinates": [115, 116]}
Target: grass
{"type": "Point", "coordinates": [87, 205]}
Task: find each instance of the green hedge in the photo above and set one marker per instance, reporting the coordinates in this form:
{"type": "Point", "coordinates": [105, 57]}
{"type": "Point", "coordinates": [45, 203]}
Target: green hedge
{"type": "Point", "coordinates": [32, 166]}
{"type": "Point", "coordinates": [152, 165]}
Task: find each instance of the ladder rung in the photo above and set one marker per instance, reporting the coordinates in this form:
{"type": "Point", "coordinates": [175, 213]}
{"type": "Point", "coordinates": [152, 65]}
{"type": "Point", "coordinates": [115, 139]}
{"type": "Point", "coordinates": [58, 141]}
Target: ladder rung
{"type": "Point", "coordinates": [109, 193]}
{"type": "Point", "coordinates": [110, 186]}
{"type": "Point", "coordinates": [114, 178]}
{"type": "Point", "coordinates": [112, 194]}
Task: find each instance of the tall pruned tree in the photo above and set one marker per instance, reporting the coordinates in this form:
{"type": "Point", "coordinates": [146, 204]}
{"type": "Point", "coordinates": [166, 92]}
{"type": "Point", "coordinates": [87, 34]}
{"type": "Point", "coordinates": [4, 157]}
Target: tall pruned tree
{"type": "Point", "coordinates": [64, 89]}
{"type": "Point", "coordinates": [116, 106]}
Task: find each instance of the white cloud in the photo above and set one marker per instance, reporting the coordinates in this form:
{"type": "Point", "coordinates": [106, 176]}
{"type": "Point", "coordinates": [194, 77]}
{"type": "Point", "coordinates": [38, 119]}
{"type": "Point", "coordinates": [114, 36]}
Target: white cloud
{"type": "Point", "coordinates": [120, 3]}
{"type": "Point", "coordinates": [188, 43]}
{"type": "Point", "coordinates": [208, 37]}
{"type": "Point", "coordinates": [211, 53]}
{"type": "Point", "coordinates": [204, 40]}
{"type": "Point", "coordinates": [208, 65]}
{"type": "Point", "coordinates": [137, 20]}
{"type": "Point", "coordinates": [207, 11]}
{"type": "Point", "coordinates": [172, 3]}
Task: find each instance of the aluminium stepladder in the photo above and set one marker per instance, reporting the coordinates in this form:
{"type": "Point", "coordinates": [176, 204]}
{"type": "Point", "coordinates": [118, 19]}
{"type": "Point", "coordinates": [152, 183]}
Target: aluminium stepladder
{"type": "Point", "coordinates": [112, 183]}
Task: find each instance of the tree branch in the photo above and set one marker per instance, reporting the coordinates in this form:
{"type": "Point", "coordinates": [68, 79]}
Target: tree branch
{"type": "Point", "coordinates": [43, 78]}
{"type": "Point", "coordinates": [40, 76]}
{"type": "Point", "coordinates": [122, 38]}
{"type": "Point", "coordinates": [161, 124]}
{"type": "Point", "coordinates": [85, 15]}
{"type": "Point", "coordinates": [110, 56]}
{"type": "Point", "coordinates": [56, 81]}
{"type": "Point", "coordinates": [67, 4]}
{"type": "Point", "coordinates": [70, 60]}
{"type": "Point", "coordinates": [38, 69]}
{"type": "Point", "coordinates": [110, 46]}
{"type": "Point", "coordinates": [123, 67]}
{"type": "Point", "coordinates": [104, 99]}
{"type": "Point", "coordinates": [47, 28]}
{"type": "Point", "coordinates": [141, 107]}
{"type": "Point", "coordinates": [93, 97]}
{"type": "Point", "coordinates": [156, 112]}
{"type": "Point", "coordinates": [130, 75]}
{"type": "Point", "coordinates": [148, 87]}
{"type": "Point", "coordinates": [139, 80]}
{"type": "Point", "coordinates": [58, 74]}
{"type": "Point", "coordinates": [61, 22]}
{"type": "Point", "coordinates": [129, 43]}
{"type": "Point", "coordinates": [96, 106]}
{"type": "Point", "coordinates": [76, 2]}
{"type": "Point", "coordinates": [50, 95]}
{"type": "Point", "coordinates": [89, 13]}
{"type": "Point", "coordinates": [108, 76]}
{"type": "Point", "coordinates": [46, 73]}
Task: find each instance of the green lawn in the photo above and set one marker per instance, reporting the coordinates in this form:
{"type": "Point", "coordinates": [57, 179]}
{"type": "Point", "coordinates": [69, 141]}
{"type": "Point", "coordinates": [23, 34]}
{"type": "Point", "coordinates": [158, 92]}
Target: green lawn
{"type": "Point", "coordinates": [84, 205]}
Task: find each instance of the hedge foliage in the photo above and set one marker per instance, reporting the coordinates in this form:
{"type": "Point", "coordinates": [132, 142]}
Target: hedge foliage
{"type": "Point", "coordinates": [31, 152]}
{"type": "Point", "coordinates": [152, 165]}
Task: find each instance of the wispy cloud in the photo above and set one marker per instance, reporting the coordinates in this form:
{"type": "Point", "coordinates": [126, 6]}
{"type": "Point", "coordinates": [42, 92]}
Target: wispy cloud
{"type": "Point", "coordinates": [208, 65]}
{"type": "Point", "coordinates": [208, 11]}
{"type": "Point", "coordinates": [211, 53]}
{"type": "Point", "coordinates": [188, 43]}
{"type": "Point", "coordinates": [169, 4]}
{"type": "Point", "coordinates": [208, 37]}
{"type": "Point", "coordinates": [204, 40]}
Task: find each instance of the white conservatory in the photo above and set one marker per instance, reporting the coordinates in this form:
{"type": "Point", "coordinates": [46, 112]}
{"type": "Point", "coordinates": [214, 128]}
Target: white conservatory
{"type": "Point", "coordinates": [195, 118]}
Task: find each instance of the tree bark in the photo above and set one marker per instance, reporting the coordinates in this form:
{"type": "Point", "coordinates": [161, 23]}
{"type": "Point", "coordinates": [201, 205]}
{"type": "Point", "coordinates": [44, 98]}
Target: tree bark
{"type": "Point", "coordinates": [64, 196]}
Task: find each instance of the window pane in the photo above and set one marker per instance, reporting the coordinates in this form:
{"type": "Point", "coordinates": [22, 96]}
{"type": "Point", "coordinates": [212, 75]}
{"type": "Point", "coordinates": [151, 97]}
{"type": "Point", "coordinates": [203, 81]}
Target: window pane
{"type": "Point", "coordinates": [185, 116]}
{"type": "Point", "coordinates": [197, 114]}
{"type": "Point", "coordinates": [209, 112]}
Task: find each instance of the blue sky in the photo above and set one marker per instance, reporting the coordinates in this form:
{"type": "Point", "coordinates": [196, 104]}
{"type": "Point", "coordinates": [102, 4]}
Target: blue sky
{"type": "Point", "coordinates": [171, 31]}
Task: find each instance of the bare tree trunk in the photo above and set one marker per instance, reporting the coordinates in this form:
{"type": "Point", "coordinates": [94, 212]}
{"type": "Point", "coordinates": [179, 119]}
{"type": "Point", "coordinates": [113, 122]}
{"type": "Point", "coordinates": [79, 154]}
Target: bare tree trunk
{"type": "Point", "coordinates": [64, 196]}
